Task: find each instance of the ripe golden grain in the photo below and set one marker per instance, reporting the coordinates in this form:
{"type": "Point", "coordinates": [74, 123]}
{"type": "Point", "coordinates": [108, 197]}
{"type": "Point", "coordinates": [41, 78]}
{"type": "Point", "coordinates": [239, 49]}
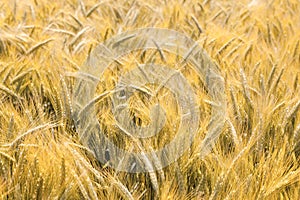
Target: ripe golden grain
{"type": "Point", "coordinates": [256, 45]}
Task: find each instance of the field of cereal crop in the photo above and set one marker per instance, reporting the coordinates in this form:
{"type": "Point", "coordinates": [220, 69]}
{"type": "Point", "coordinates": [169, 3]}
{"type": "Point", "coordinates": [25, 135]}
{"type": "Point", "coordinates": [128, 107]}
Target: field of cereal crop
{"type": "Point", "coordinates": [45, 154]}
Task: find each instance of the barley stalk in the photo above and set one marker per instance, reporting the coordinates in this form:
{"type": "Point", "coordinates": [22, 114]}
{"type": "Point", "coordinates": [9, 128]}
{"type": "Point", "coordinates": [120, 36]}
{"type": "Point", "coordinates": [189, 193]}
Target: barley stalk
{"type": "Point", "coordinates": [37, 46]}
{"type": "Point", "coordinates": [9, 92]}
{"type": "Point", "coordinates": [30, 131]}
{"type": "Point", "coordinates": [89, 12]}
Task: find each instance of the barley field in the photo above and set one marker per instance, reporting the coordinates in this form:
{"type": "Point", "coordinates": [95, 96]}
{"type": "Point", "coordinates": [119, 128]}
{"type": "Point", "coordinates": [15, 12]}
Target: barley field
{"type": "Point", "coordinates": [254, 43]}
